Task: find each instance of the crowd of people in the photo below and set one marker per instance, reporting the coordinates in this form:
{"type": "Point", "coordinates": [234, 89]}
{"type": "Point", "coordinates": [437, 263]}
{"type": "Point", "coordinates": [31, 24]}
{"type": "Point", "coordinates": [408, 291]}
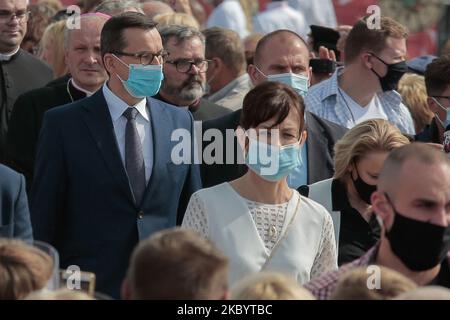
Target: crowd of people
{"type": "Point", "coordinates": [310, 172]}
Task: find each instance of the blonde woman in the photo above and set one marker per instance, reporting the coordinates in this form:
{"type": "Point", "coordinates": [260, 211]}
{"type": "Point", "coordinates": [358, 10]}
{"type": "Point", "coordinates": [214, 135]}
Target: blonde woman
{"type": "Point", "coordinates": [52, 48]}
{"type": "Point", "coordinates": [258, 221]}
{"type": "Point", "coordinates": [359, 157]}
{"type": "Point", "coordinates": [414, 94]}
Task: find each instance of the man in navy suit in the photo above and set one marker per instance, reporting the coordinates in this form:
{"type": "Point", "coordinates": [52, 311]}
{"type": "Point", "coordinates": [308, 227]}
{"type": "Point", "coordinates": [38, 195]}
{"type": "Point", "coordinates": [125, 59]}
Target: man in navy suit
{"type": "Point", "coordinates": [104, 177]}
{"type": "Point", "coordinates": [14, 214]}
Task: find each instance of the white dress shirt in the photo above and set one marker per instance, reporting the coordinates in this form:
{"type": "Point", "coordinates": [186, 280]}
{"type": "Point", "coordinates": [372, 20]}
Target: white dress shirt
{"type": "Point", "coordinates": [279, 15]}
{"type": "Point", "coordinates": [230, 15]}
{"type": "Point", "coordinates": [117, 107]}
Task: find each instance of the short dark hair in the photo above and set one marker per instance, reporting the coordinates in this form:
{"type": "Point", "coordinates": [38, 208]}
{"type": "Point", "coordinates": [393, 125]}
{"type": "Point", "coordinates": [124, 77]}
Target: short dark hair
{"type": "Point", "coordinates": [268, 100]}
{"type": "Point", "coordinates": [437, 76]}
{"type": "Point", "coordinates": [362, 38]}
{"type": "Point", "coordinates": [264, 40]}
{"type": "Point", "coordinates": [227, 45]}
{"type": "Point", "coordinates": [112, 39]}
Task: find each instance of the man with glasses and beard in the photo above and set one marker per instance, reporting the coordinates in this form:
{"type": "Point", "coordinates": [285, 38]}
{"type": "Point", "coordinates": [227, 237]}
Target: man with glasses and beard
{"type": "Point", "coordinates": [185, 73]}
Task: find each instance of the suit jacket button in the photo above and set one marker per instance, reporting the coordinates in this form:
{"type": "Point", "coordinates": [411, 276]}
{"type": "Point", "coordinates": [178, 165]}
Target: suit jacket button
{"type": "Point", "coordinates": [141, 214]}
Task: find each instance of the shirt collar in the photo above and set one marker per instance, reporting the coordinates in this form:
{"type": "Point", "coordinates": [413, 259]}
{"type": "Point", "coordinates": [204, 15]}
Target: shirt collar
{"type": "Point", "coordinates": [8, 56]}
{"type": "Point", "coordinates": [76, 86]}
{"type": "Point", "coordinates": [117, 106]}
{"type": "Point", "coordinates": [331, 87]}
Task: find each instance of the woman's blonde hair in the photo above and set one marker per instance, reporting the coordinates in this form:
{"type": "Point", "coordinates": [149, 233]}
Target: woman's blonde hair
{"type": "Point", "coordinates": [54, 36]}
{"type": "Point", "coordinates": [183, 19]}
{"type": "Point", "coordinates": [414, 94]}
{"type": "Point", "coordinates": [269, 286]}
{"type": "Point", "coordinates": [353, 284]}
{"type": "Point", "coordinates": [368, 136]}
{"type": "Point", "coordinates": [60, 294]}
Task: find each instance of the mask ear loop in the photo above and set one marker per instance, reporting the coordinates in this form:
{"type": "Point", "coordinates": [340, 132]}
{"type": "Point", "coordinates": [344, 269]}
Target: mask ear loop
{"type": "Point", "coordinates": [120, 60]}
{"type": "Point", "coordinates": [442, 107]}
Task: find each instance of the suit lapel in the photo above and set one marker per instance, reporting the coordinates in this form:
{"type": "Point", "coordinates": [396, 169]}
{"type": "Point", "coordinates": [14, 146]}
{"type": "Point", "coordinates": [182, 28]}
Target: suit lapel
{"type": "Point", "coordinates": [98, 120]}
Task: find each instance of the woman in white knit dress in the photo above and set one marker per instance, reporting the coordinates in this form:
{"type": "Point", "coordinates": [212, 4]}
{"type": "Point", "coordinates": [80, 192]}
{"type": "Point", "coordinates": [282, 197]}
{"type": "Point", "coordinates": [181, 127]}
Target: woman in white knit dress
{"type": "Point", "coordinates": [257, 220]}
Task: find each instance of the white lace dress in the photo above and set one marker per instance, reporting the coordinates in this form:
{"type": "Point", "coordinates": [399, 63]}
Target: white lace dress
{"type": "Point", "coordinates": [269, 221]}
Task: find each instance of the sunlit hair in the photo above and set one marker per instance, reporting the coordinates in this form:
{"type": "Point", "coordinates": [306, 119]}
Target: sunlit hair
{"type": "Point", "coordinates": [269, 286]}
{"type": "Point", "coordinates": [23, 269]}
{"type": "Point", "coordinates": [53, 39]}
{"type": "Point", "coordinates": [369, 136]}
{"type": "Point", "coordinates": [414, 94]}
{"type": "Point", "coordinates": [353, 285]}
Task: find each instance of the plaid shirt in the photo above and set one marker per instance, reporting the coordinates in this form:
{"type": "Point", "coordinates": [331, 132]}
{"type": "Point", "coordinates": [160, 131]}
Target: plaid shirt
{"type": "Point", "coordinates": [324, 100]}
{"type": "Point", "coordinates": [323, 286]}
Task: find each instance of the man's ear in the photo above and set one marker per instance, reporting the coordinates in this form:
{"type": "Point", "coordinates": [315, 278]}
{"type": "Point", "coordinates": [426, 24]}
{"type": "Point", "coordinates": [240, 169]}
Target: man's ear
{"type": "Point", "coordinates": [255, 75]}
{"type": "Point", "coordinates": [125, 291]}
{"type": "Point", "coordinates": [433, 105]}
{"type": "Point", "coordinates": [108, 62]}
{"type": "Point", "coordinates": [366, 60]}
{"type": "Point", "coordinates": [382, 208]}
{"type": "Point", "coordinates": [303, 137]}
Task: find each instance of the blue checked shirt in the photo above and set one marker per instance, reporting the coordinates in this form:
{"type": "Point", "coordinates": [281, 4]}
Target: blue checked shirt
{"type": "Point", "coordinates": [324, 100]}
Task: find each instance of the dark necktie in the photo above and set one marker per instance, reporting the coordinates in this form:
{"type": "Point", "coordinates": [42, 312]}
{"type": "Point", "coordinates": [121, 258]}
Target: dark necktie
{"type": "Point", "coordinates": [134, 158]}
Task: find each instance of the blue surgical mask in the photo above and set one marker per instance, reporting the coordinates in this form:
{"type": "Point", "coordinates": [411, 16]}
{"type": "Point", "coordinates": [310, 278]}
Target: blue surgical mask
{"type": "Point", "coordinates": [447, 120]}
{"type": "Point", "coordinates": [272, 163]}
{"type": "Point", "coordinates": [298, 82]}
{"type": "Point", "coordinates": [143, 80]}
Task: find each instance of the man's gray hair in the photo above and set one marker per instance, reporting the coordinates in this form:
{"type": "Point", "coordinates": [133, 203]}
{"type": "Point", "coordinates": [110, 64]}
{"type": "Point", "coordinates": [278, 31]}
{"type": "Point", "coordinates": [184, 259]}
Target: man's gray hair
{"type": "Point", "coordinates": [180, 33]}
{"type": "Point", "coordinates": [114, 7]}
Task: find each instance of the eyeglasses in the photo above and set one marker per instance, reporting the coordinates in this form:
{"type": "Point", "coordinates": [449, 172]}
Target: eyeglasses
{"type": "Point", "coordinates": [146, 58]}
{"type": "Point", "coordinates": [184, 65]}
{"type": "Point", "coordinates": [21, 15]}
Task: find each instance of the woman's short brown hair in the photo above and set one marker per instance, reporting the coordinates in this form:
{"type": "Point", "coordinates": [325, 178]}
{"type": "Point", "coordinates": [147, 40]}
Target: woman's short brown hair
{"type": "Point", "coordinates": [23, 269]}
{"type": "Point", "coordinates": [270, 100]}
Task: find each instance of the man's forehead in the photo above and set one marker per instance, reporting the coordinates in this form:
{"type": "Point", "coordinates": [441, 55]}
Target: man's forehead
{"type": "Point", "coordinates": [418, 180]}
{"type": "Point", "coordinates": [275, 51]}
{"type": "Point", "coordinates": [175, 46]}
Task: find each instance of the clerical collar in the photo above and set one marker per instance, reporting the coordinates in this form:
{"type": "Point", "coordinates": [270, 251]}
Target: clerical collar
{"type": "Point", "coordinates": [74, 84]}
{"type": "Point", "coordinates": [8, 56]}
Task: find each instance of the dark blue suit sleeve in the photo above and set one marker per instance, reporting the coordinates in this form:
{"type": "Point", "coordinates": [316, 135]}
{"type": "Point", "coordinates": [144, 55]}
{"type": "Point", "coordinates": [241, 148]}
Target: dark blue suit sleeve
{"type": "Point", "coordinates": [48, 193]}
{"type": "Point", "coordinates": [22, 223]}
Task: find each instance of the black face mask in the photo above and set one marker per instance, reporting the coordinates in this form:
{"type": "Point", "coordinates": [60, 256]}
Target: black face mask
{"type": "Point", "coordinates": [419, 245]}
{"type": "Point", "coordinates": [364, 189]}
{"type": "Point", "coordinates": [394, 72]}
